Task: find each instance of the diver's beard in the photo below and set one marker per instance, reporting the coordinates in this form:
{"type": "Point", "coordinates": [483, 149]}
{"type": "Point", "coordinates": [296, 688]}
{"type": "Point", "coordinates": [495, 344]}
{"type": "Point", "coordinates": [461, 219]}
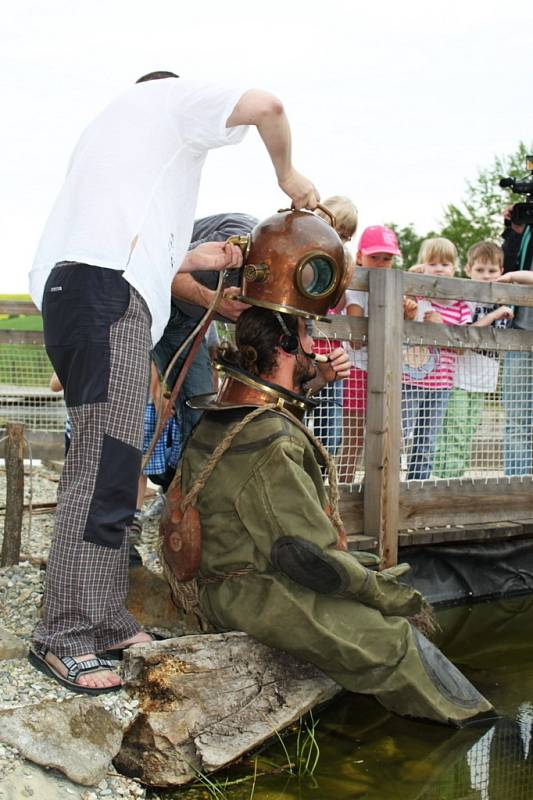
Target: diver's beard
{"type": "Point", "coordinates": [304, 371]}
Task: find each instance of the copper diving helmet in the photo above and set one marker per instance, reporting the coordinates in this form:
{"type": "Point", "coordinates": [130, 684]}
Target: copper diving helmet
{"type": "Point", "coordinates": [295, 263]}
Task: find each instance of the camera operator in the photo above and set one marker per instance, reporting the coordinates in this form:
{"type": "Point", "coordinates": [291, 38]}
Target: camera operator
{"type": "Point", "coordinates": [517, 244]}
{"type": "Point", "coordinates": [517, 378]}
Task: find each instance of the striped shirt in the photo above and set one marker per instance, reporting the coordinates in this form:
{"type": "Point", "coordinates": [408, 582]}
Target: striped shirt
{"type": "Point", "coordinates": [442, 376]}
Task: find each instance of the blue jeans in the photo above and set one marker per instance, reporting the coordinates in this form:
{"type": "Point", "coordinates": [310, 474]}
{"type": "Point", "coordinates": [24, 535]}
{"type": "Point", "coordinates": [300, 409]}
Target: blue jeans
{"type": "Point", "coordinates": [517, 397]}
{"type": "Point", "coordinates": [199, 379]}
{"type": "Point", "coordinates": [327, 418]}
{"type": "Point", "coordinates": [423, 412]}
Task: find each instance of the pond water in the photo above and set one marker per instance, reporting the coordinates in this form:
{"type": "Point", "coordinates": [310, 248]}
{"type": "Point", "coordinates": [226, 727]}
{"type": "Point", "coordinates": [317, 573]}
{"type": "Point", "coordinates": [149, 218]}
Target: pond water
{"type": "Point", "coordinates": [367, 753]}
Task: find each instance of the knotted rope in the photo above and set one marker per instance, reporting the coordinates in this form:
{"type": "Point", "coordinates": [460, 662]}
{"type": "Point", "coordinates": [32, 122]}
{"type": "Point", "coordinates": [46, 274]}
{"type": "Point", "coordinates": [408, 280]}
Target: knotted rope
{"type": "Point", "coordinates": [185, 593]}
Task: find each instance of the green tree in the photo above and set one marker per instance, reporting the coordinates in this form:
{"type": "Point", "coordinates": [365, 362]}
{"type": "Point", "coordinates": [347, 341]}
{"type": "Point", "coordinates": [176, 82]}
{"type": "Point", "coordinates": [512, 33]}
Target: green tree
{"type": "Point", "coordinates": [409, 241]}
{"type": "Point", "coordinates": [479, 215]}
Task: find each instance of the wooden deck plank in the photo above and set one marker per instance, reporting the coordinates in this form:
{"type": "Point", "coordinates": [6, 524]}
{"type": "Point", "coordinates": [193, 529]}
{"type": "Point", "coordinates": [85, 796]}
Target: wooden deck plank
{"type": "Point", "coordinates": [429, 504]}
{"type": "Point", "coordinates": [456, 535]}
{"type": "Point", "coordinates": [362, 542]}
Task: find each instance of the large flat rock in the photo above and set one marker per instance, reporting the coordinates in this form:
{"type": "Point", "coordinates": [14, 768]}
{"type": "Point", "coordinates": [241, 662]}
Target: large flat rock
{"type": "Point", "coordinates": [78, 737]}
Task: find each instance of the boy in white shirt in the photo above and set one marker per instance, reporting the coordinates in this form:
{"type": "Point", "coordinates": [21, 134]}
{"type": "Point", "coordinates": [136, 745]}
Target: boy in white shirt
{"type": "Point", "coordinates": [476, 372]}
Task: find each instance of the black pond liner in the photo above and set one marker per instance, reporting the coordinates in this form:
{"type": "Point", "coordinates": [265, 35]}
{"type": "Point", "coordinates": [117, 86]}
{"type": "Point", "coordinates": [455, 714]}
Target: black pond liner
{"type": "Point", "coordinates": [449, 575]}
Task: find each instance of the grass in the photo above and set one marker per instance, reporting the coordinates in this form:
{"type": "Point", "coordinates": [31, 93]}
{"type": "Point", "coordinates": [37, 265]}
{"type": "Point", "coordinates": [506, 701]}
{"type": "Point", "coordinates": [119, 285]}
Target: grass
{"type": "Point", "coordinates": [32, 322]}
{"type": "Point", "coordinates": [23, 364]}
{"type": "Point", "coordinates": [302, 763]}
{"type": "Point", "coordinates": [307, 750]}
{"type": "Point", "coordinates": [215, 788]}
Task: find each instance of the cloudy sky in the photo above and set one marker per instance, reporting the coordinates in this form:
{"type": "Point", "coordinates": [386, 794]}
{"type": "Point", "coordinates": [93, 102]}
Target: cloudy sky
{"type": "Point", "coordinates": [392, 103]}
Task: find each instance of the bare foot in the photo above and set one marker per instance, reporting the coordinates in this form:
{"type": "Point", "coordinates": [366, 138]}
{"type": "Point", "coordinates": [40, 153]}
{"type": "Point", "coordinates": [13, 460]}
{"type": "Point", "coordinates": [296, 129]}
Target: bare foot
{"type": "Point", "coordinates": [99, 679]}
{"type": "Point", "coordinates": [140, 638]}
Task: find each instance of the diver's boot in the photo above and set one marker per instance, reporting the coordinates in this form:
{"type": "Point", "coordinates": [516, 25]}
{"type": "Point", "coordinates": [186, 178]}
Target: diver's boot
{"type": "Point", "coordinates": [427, 685]}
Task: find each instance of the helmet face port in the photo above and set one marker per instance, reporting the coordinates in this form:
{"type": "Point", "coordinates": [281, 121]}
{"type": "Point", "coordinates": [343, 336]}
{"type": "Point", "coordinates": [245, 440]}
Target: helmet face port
{"type": "Point", "coordinates": [296, 265]}
{"type": "Point", "coordinates": [316, 275]}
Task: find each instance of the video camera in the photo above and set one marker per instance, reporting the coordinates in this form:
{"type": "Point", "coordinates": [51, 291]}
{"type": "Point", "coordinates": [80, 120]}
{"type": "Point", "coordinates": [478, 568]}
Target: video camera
{"type": "Point", "coordinates": [522, 213]}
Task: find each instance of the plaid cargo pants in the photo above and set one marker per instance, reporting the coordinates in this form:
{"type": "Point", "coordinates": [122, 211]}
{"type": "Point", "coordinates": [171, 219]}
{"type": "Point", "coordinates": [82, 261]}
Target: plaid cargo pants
{"type": "Point", "coordinates": [97, 335]}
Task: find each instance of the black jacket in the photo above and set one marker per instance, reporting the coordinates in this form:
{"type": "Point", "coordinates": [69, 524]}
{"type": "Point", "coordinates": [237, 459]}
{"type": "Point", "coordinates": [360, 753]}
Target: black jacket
{"type": "Point", "coordinates": [511, 246]}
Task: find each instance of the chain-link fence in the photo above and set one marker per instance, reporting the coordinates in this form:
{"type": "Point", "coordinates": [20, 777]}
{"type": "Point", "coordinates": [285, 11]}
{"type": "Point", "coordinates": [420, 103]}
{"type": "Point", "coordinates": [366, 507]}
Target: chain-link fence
{"type": "Point", "coordinates": [466, 412]}
{"type": "Point", "coordinates": [448, 404]}
{"type": "Point", "coordinates": [476, 423]}
{"type": "Point", "coordinates": [25, 396]}
{"type": "Point", "coordinates": [446, 431]}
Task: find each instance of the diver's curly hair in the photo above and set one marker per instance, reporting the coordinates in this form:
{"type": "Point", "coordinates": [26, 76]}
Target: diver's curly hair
{"type": "Point", "coordinates": [257, 336]}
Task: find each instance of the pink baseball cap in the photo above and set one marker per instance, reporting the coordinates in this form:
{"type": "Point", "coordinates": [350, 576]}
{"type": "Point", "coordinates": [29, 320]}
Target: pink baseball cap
{"type": "Point", "coordinates": [378, 239]}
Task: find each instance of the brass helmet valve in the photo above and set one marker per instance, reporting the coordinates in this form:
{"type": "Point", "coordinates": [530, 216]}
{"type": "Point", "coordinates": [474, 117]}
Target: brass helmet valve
{"type": "Point", "coordinates": [243, 242]}
{"type": "Point", "coordinates": [256, 273]}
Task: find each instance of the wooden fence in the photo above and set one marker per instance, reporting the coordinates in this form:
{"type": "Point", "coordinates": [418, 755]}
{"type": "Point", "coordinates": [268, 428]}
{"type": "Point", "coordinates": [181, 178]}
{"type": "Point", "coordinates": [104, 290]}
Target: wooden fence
{"type": "Point", "coordinates": [385, 509]}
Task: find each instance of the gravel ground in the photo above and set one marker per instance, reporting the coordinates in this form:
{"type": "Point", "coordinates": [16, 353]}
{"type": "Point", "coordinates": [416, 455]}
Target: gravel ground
{"type": "Point", "coordinates": [21, 595]}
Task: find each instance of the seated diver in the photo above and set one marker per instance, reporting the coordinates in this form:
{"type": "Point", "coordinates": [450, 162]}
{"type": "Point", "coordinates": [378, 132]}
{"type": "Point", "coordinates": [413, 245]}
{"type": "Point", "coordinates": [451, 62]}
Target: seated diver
{"type": "Point", "coordinates": [273, 560]}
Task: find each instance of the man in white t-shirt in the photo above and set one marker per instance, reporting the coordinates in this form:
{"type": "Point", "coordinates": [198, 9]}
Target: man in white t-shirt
{"type": "Point", "coordinates": [115, 238]}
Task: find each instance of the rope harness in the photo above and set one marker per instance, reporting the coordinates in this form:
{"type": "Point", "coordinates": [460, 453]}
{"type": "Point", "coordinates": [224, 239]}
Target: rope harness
{"type": "Point", "coordinates": [185, 593]}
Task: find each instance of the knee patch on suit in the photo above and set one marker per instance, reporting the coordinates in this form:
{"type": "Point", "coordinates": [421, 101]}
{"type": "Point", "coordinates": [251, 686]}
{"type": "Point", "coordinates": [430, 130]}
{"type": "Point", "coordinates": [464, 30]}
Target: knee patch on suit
{"type": "Point", "coordinates": [307, 564]}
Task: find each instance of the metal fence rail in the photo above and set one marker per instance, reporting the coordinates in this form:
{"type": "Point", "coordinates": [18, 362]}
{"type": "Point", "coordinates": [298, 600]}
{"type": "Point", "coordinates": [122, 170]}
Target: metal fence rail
{"type": "Point", "coordinates": [379, 422]}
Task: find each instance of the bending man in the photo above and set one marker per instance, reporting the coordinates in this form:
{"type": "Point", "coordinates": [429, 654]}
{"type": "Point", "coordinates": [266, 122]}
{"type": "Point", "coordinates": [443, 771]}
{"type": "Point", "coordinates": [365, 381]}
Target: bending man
{"type": "Point", "coordinates": [115, 238]}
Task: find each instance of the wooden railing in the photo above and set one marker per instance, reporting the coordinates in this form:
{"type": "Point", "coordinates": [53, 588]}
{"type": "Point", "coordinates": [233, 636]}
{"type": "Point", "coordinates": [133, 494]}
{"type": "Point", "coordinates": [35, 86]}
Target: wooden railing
{"type": "Point", "coordinates": [385, 507]}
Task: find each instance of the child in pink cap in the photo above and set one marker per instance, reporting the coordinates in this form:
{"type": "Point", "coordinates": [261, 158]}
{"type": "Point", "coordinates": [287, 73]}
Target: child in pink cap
{"type": "Point", "coordinates": [376, 249]}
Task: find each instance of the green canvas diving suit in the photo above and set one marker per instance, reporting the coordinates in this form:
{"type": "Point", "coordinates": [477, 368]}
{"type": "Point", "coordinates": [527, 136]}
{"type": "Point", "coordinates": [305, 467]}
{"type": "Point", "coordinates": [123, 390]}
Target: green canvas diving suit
{"type": "Point", "coordinates": [263, 509]}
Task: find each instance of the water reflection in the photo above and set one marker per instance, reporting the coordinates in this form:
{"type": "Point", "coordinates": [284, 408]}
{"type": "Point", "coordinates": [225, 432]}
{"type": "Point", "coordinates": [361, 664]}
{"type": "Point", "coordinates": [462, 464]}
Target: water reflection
{"type": "Point", "coordinates": [501, 761]}
{"type": "Point", "coordinates": [370, 754]}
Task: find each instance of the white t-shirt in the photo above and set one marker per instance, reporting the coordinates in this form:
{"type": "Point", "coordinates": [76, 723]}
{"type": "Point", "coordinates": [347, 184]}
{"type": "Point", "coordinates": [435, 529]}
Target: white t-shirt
{"type": "Point", "coordinates": [359, 358]}
{"type": "Point", "coordinates": [477, 371]}
{"type": "Point", "coordinates": [135, 172]}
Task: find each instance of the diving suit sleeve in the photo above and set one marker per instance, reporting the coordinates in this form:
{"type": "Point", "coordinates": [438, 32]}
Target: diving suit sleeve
{"type": "Point", "coordinates": [281, 510]}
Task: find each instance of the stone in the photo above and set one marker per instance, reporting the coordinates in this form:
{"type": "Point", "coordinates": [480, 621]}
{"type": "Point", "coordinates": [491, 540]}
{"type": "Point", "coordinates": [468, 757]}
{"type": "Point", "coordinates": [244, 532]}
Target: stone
{"type": "Point", "coordinates": [78, 737]}
{"type": "Point", "coordinates": [31, 781]}
{"type": "Point", "coordinates": [11, 646]}
{"type": "Point", "coordinates": [206, 700]}
{"type": "Point", "coordinates": [150, 602]}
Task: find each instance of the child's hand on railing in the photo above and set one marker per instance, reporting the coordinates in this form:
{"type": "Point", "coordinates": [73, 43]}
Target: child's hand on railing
{"type": "Point", "coordinates": [516, 277]}
{"type": "Point", "coordinates": [503, 312]}
{"type": "Point", "coordinates": [410, 307]}
{"type": "Point", "coordinates": [433, 316]}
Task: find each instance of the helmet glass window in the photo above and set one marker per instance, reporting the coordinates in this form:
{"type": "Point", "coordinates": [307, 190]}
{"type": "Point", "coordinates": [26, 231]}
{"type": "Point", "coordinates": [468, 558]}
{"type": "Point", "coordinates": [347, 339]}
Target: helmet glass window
{"type": "Point", "coordinates": [316, 276]}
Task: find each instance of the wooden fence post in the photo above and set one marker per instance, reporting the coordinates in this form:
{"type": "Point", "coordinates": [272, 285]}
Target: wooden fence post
{"type": "Point", "coordinates": [383, 416]}
{"type": "Point", "coordinates": [14, 460]}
